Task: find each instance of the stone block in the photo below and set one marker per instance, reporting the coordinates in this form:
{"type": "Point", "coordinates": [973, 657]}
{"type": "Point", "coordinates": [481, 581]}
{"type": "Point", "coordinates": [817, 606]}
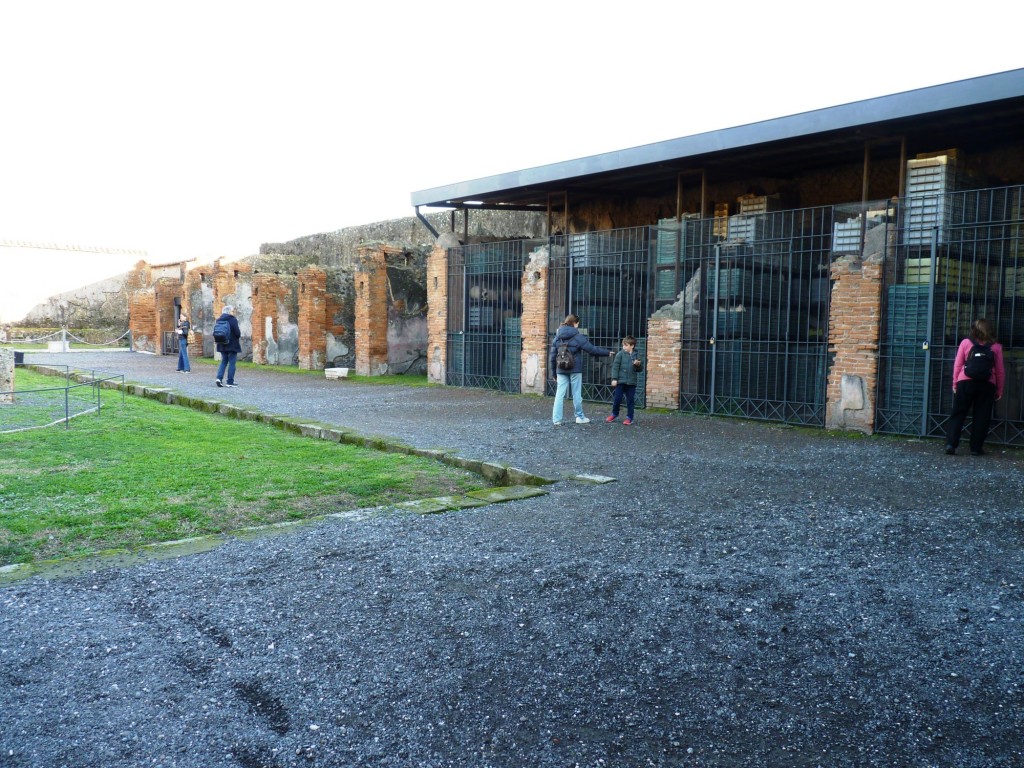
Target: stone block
{"type": "Point", "coordinates": [6, 375]}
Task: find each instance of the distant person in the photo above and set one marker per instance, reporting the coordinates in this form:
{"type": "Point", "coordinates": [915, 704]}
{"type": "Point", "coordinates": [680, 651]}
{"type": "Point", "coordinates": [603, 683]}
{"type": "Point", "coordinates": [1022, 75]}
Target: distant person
{"type": "Point", "coordinates": [625, 368]}
{"type": "Point", "coordinates": [978, 376]}
{"type": "Point", "coordinates": [228, 344]}
{"type": "Point", "coordinates": [576, 343]}
{"type": "Point", "coordinates": [184, 326]}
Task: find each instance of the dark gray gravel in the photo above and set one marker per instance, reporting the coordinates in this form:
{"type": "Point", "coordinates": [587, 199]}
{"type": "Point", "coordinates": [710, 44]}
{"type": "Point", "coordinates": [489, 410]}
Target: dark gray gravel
{"type": "Point", "coordinates": [745, 595]}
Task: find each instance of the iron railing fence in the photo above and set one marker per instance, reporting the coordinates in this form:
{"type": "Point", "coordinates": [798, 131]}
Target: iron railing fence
{"type": "Point", "coordinates": [604, 279]}
{"type": "Point", "coordinates": [485, 311]}
{"type": "Point", "coordinates": [25, 408]}
{"type": "Point", "coordinates": [955, 256]}
{"type": "Point", "coordinates": [754, 311]}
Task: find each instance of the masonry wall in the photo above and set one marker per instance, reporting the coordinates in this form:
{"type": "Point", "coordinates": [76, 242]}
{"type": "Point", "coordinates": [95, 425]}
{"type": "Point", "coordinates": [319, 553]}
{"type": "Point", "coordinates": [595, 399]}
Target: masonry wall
{"type": "Point", "coordinates": [407, 312]}
{"type": "Point", "coordinates": [232, 284]}
{"type": "Point", "coordinates": [275, 310]}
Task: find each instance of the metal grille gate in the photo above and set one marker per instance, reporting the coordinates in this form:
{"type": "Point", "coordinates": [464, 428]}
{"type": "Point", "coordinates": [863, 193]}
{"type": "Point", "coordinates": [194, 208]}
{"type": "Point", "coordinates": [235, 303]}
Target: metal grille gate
{"type": "Point", "coordinates": [485, 314]}
{"type": "Point", "coordinates": [957, 256]}
{"type": "Point", "coordinates": [754, 303]}
{"type": "Point", "coordinates": [603, 278]}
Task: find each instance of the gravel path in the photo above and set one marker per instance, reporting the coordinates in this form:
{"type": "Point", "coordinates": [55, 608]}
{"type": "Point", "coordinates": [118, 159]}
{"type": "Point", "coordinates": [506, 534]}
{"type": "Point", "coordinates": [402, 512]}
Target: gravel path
{"type": "Point", "coordinates": [744, 595]}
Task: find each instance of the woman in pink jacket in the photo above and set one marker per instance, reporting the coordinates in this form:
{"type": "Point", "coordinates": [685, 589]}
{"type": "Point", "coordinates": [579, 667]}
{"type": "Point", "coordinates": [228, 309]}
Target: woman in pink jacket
{"type": "Point", "coordinates": [978, 376]}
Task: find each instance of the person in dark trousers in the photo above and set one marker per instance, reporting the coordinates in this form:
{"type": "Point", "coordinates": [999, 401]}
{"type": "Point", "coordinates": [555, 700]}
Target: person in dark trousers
{"type": "Point", "coordinates": [569, 333]}
{"type": "Point", "coordinates": [184, 326]}
{"type": "Point", "coordinates": [625, 368]}
{"type": "Point", "coordinates": [229, 352]}
{"type": "Point", "coordinates": [973, 391]}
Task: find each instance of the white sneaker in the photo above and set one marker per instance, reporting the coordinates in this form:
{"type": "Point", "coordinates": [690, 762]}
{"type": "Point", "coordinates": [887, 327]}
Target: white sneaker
{"type": "Point", "coordinates": [583, 420]}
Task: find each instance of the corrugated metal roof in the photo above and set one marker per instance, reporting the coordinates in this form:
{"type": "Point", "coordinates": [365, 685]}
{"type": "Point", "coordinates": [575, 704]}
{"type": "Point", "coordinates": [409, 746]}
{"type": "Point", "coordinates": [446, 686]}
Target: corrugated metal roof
{"type": "Point", "coordinates": [964, 113]}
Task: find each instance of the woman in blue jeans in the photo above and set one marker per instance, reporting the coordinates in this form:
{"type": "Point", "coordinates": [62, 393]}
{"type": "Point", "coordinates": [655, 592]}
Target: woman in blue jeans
{"type": "Point", "coordinates": [184, 326]}
{"type": "Point", "coordinates": [568, 333]}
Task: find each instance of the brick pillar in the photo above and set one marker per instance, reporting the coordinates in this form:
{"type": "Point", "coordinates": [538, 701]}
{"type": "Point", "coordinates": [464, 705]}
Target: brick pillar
{"type": "Point", "coordinates": [853, 332]}
{"type": "Point", "coordinates": [312, 318]}
{"type": "Point", "coordinates": [437, 315]}
{"type": "Point", "coordinates": [664, 362]}
{"type": "Point", "coordinates": [371, 310]}
{"type": "Point", "coordinates": [534, 371]}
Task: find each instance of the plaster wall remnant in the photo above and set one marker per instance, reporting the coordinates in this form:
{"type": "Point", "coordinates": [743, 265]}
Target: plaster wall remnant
{"type": "Point", "coordinates": [7, 375]}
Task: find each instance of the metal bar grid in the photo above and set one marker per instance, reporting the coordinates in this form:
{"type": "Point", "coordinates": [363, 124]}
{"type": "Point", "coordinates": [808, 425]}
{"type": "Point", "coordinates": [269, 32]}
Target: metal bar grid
{"type": "Point", "coordinates": [485, 310]}
{"type": "Point", "coordinates": [755, 316]}
{"type": "Point", "coordinates": [35, 408]}
{"type": "Point", "coordinates": [602, 277]}
{"type": "Point", "coordinates": [970, 265]}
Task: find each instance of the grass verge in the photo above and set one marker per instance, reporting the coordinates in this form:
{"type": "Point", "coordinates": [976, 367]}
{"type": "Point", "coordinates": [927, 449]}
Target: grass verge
{"type": "Point", "coordinates": [143, 473]}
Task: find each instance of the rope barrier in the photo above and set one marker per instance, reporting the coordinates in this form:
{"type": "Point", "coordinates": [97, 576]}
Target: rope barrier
{"type": "Point", "coordinates": [98, 343]}
{"type": "Point", "coordinates": [70, 335]}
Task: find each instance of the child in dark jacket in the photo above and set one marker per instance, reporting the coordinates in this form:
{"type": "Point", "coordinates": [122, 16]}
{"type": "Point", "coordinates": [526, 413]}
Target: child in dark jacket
{"type": "Point", "coordinates": [625, 367]}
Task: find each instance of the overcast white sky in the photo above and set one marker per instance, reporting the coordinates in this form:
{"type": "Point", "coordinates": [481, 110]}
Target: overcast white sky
{"type": "Point", "coordinates": [203, 129]}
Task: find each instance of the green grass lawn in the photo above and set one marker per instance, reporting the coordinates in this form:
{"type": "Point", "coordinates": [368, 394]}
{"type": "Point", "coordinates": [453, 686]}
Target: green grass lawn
{"type": "Point", "coordinates": [144, 472]}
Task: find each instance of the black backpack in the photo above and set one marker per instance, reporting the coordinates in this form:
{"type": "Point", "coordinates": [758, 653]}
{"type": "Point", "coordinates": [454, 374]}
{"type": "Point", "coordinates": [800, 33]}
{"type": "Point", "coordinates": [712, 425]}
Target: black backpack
{"type": "Point", "coordinates": [564, 359]}
{"type": "Point", "coordinates": [222, 331]}
{"type": "Point", "coordinates": [980, 362]}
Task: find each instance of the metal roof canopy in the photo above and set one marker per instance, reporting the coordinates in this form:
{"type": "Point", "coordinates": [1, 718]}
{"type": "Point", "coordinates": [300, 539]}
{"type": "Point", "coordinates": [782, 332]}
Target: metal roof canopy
{"type": "Point", "coordinates": [977, 112]}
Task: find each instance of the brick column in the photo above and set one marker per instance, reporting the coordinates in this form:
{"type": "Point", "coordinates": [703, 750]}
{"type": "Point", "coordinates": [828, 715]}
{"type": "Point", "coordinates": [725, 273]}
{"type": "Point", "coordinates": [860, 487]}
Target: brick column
{"type": "Point", "coordinates": [664, 359]}
{"type": "Point", "coordinates": [371, 311]}
{"type": "Point", "coordinates": [534, 371]}
{"type": "Point", "coordinates": [437, 315]}
{"type": "Point", "coordinates": [853, 332]}
{"type": "Point", "coordinates": [312, 318]}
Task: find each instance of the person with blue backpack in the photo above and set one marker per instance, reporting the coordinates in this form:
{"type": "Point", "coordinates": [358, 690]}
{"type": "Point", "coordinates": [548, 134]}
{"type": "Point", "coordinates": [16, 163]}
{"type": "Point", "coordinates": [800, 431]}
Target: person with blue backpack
{"type": "Point", "coordinates": [227, 336]}
{"type": "Point", "coordinates": [978, 376]}
{"type": "Point", "coordinates": [565, 361]}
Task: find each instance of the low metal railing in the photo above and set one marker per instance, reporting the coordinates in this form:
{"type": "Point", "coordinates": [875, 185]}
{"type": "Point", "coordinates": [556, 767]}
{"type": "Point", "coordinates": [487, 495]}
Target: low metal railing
{"type": "Point", "coordinates": [41, 407]}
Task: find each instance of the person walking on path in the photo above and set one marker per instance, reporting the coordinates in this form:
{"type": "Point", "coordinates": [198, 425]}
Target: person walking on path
{"type": "Point", "coordinates": [978, 376]}
{"type": "Point", "coordinates": [184, 326]}
{"type": "Point", "coordinates": [569, 335]}
{"type": "Point", "coordinates": [625, 368]}
{"type": "Point", "coordinates": [228, 349]}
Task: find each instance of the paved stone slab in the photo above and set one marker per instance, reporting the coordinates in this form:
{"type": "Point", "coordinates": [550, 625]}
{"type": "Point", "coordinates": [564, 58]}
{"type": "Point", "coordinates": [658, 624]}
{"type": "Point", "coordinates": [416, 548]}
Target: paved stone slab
{"type": "Point", "coordinates": [509, 493]}
{"type": "Point", "coordinates": [596, 479]}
